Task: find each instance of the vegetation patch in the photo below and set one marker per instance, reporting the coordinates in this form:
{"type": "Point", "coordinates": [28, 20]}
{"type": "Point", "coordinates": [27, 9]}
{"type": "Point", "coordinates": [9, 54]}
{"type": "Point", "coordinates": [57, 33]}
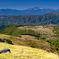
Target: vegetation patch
{"type": "Point", "coordinates": [6, 40]}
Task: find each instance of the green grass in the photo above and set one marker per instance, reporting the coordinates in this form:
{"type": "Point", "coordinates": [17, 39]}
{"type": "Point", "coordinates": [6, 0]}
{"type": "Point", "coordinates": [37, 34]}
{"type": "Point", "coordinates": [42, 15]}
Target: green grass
{"type": "Point", "coordinates": [13, 30]}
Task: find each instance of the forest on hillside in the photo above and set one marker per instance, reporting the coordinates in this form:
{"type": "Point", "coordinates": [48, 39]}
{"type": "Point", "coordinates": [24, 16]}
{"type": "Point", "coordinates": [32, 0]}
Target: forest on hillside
{"type": "Point", "coordinates": [49, 18]}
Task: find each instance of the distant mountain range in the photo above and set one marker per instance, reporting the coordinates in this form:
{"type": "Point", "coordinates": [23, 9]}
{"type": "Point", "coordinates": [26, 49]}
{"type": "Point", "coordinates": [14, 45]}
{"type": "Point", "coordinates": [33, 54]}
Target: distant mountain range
{"type": "Point", "coordinates": [29, 11]}
{"type": "Point", "coordinates": [37, 8]}
{"type": "Point", "coordinates": [49, 18]}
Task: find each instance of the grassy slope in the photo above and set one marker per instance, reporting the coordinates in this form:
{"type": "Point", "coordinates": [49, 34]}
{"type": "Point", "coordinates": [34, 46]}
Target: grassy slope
{"type": "Point", "coordinates": [30, 42]}
{"type": "Point", "coordinates": [26, 40]}
{"type": "Point", "coordinates": [43, 30]}
{"type": "Point", "coordinates": [22, 52]}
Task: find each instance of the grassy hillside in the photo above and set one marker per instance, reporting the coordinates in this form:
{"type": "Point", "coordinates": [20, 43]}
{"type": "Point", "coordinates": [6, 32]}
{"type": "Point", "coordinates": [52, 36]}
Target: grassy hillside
{"type": "Point", "coordinates": [44, 36]}
{"type": "Point", "coordinates": [22, 52]}
{"type": "Point", "coordinates": [29, 41]}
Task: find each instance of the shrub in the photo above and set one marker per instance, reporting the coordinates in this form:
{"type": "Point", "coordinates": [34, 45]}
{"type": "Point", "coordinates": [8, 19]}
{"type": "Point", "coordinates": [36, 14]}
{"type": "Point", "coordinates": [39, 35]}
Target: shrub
{"type": "Point", "coordinates": [32, 46]}
{"type": "Point", "coordinates": [0, 39]}
{"type": "Point", "coordinates": [57, 51]}
{"type": "Point", "coordinates": [42, 38]}
{"type": "Point", "coordinates": [9, 41]}
{"type": "Point", "coordinates": [36, 38]}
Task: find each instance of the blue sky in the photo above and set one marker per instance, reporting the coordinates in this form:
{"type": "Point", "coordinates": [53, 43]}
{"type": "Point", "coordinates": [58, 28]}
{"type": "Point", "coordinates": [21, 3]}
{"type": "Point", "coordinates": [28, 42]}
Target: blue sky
{"type": "Point", "coordinates": [25, 4]}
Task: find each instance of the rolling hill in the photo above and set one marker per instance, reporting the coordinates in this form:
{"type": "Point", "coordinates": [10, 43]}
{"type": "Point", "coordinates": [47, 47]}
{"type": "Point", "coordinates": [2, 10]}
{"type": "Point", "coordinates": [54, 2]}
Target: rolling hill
{"type": "Point", "coordinates": [49, 18]}
{"type": "Point", "coordinates": [42, 36]}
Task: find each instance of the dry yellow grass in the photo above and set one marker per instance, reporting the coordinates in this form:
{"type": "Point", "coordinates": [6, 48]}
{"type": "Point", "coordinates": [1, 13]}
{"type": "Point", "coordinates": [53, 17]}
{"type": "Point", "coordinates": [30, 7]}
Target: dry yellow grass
{"type": "Point", "coordinates": [27, 37]}
{"type": "Point", "coordinates": [39, 29]}
{"type": "Point", "coordinates": [4, 36]}
{"type": "Point", "coordinates": [22, 52]}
